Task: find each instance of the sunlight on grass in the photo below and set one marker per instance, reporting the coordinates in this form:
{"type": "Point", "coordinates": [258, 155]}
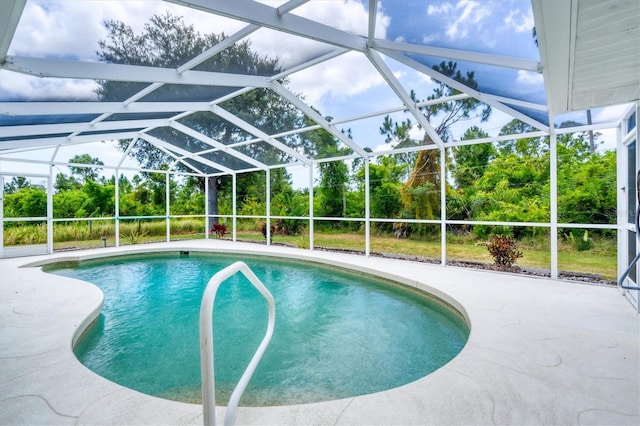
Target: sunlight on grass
{"type": "Point", "coordinates": [599, 260]}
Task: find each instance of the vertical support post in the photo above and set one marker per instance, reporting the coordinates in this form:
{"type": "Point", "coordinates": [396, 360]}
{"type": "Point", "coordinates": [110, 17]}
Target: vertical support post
{"type": "Point", "coordinates": [311, 207]}
{"type": "Point", "coordinates": [234, 204]}
{"type": "Point", "coordinates": [443, 206]}
{"type": "Point", "coordinates": [50, 210]}
{"type": "Point", "coordinates": [553, 190]}
{"type": "Point", "coordinates": [621, 171]}
{"type": "Point", "coordinates": [206, 207]}
{"type": "Point", "coordinates": [117, 208]}
{"type": "Point", "coordinates": [167, 193]}
{"type": "Point", "coordinates": [367, 209]}
{"type": "Point", "coordinates": [1, 216]}
{"type": "Point", "coordinates": [268, 186]}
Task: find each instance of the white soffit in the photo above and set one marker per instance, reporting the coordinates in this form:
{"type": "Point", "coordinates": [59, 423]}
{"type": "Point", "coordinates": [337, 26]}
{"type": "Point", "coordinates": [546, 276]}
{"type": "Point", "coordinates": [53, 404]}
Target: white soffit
{"type": "Point", "coordinates": [590, 52]}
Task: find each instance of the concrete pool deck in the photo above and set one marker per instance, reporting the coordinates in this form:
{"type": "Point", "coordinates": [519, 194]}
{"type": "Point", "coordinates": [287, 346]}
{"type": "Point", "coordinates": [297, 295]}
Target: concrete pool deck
{"type": "Point", "coordinates": [539, 352]}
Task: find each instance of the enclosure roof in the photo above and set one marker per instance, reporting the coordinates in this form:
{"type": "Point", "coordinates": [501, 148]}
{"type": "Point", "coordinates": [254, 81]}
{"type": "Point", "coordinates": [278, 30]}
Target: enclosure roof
{"type": "Point", "coordinates": [341, 64]}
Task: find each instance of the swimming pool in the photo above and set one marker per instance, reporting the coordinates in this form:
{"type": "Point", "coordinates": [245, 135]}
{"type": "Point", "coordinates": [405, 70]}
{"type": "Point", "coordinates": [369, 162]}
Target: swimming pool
{"type": "Point", "coordinates": [338, 334]}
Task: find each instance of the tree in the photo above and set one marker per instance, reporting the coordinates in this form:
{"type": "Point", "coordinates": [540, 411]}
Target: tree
{"type": "Point", "coordinates": [470, 161]}
{"type": "Point", "coordinates": [334, 175]}
{"type": "Point", "coordinates": [16, 183]}
{"type": "Point", "coordinates": [536, 146]}
{"type": "Point", "coordinates": [398, 135]}
{"type": "Point", "coordinates": [30, 201]}
{"type": "Point", "coordinates": [421, 192]}
{"type": "Point", "coordinates": [65, 183]}
{"type": "Point", "coordinates": [166, 41]}
{"type": "Point", "coordinates": [86, 173]}
{"type": "Point", "coordinates": [384, 187]}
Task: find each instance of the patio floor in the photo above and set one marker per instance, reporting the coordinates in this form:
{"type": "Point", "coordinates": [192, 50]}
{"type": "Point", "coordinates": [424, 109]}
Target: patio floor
{"type": "Point", "coordinates": [539, 352]}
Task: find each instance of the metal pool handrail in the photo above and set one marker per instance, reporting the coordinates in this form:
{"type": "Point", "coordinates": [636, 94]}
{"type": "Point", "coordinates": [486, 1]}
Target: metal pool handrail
{"type": "Point", "coordinates": [206, 344]}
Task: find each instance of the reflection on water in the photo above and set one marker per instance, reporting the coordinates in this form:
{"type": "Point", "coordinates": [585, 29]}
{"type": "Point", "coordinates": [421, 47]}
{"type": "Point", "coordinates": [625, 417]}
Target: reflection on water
{"type": "Point", "coordinates": [338, 334]}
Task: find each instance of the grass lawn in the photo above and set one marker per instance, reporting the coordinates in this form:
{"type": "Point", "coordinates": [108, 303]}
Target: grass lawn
{"type": "Point", "coordinates": [599, 260]}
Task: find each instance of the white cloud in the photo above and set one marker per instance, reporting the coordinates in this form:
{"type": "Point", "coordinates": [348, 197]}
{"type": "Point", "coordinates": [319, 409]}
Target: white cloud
{"type": "Point", "coordinates": [382, 147]}
{"type": "Point", "coordinates": [443, 8]}
{"type": "Point", "coordinates": [73, 29]}
{"type": "Point", "coordinates": [529, 78]}
{"type": "Point", "coordinates": [34, 88]}
{"type": "Point", "coordinates": [519, 21]}
{"type": "Point", "coordinates": [472, 13]}
{"type": "Point", "coordinates": [610, 113]}
{"type": "Point", "coordinates": [344, 76]}
{"type": "Point", "coordinates": [349, 16]}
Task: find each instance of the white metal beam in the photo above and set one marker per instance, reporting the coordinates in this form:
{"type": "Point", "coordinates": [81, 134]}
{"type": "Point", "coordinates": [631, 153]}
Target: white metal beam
{"type": "Point", "coordinates": [311, 113]}
{"type": "Point", "coordinates": [463, 88]}
{"type": "Point", "coordinates": [289, 6]}
{"type": "Point", "coordinates": [186, 154]}
{"type": "Point", "coordinates": [56, 108]}
{"type": "Point", "coordinates": [458, 55]}
{"type": "Point", "coordinates": [373, 13]}
{"type": "Point", "coordinates": [63, 140]}
{"type": "Point", "coordinates": [133, 73]}
{"type": "Point", "coordinates": [219, 47]}
{"type": "Point", "coordinates": [9, 18]}
{"type": "Point", "coordinates": [312, 62]}
{"type": "Point", "coordinates": [207, 54]}
{"type": "Point", "coordinates": [216, 144]}
{"type": "Point", "coordinates": [386, 73]}
{"type": "Point", "coordinates": [221, 112]}
{"type": "Point", "coordinates": [266, 16]}
{"type": "Point", "coordinates": [105, 126]}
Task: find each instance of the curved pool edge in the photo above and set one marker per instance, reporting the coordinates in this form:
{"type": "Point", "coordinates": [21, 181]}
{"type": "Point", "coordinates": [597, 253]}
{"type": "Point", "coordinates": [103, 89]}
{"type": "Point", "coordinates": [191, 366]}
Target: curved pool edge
{"type": "Point", "coordinates": [442, 296]}
{"type": "Point", "coordinates": [419, 291]}
{"type": "Point", "coordinates": [504, 374]}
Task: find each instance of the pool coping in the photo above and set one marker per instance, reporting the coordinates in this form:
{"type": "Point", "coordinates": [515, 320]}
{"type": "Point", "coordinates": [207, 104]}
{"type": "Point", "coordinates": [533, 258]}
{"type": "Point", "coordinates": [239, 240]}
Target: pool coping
{"type": "Point", "coordinates": [539, 351]}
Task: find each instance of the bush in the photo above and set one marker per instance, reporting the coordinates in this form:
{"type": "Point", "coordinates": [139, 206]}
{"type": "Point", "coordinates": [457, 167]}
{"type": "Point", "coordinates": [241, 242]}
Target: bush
{"type": "Point", "coordinates": [220, 229]}
{"type": "Point", "coordinates": [580, 243]}
{"type": "Point", "coordinates": [504, 250]}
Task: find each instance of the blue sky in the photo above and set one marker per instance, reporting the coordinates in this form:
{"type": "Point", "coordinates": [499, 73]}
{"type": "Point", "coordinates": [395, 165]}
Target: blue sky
{"type": "Point", "coordinates": [344, 87]}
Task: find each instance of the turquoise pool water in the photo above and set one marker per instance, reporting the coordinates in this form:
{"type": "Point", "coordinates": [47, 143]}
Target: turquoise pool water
{"type": "Point", "coordinates": [338, 334]}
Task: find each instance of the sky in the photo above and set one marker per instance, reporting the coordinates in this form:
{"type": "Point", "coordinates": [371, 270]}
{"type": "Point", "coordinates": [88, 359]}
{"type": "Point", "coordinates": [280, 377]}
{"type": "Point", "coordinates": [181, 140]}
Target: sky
{"type": "Point", "coordinates": [346, 86]}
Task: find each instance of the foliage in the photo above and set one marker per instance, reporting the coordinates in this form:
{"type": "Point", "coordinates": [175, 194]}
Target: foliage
{"type": "Point", "coordinates": [580, 242]}
{"type": "Point", "coordinates": [471, 161]}
{"type": "Point", "coordinates": [385, 187]}
{"type": "Point", "coordinates": [87, 173]}
{"type": "Point", "coordinates": [421, 193]}
{"type": "Point", "coordinates": [166, 41]}
{"type": "Point", "coordinates": [504, 250]}
{"type": "Point", "coordinates": [522, 147]}
{"type": "Point", "coordinates": [219, 229]}
{"type": "Point", "coordinates": [585, 190]}
{"type": "Point", "coordinates": [16, 183]}
{"type": "Point", "coordinates": [26, 201]}
{"type": "Point", "coordinates": [134, 237]}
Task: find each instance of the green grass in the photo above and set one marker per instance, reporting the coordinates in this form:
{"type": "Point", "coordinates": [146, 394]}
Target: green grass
{"type": "Point", "coordinates": [601, 259]}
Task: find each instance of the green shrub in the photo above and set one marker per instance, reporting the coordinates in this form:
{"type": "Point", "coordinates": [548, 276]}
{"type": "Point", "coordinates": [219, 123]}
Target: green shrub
{"type": "Point", "coordinates": [580, 243]}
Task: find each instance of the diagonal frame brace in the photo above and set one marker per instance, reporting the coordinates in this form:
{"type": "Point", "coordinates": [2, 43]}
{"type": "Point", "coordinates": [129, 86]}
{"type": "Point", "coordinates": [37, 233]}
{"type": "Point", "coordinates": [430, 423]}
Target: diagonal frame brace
{"type": "Point", "coordinates": [247, 127]}
{"type": "Point", "coordinates": [315, 116]}
{"type": "Point", "coordinates": [393, 82]}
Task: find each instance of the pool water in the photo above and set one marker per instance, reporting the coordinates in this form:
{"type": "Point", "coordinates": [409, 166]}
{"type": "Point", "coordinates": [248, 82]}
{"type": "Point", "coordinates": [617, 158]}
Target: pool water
{"type": "Point", "coordinates": [338, 334]}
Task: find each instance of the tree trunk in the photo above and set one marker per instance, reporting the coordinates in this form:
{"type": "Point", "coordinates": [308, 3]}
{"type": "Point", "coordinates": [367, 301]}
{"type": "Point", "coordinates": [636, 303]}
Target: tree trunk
{"type": "Point", "coordinates": [212, 202]}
